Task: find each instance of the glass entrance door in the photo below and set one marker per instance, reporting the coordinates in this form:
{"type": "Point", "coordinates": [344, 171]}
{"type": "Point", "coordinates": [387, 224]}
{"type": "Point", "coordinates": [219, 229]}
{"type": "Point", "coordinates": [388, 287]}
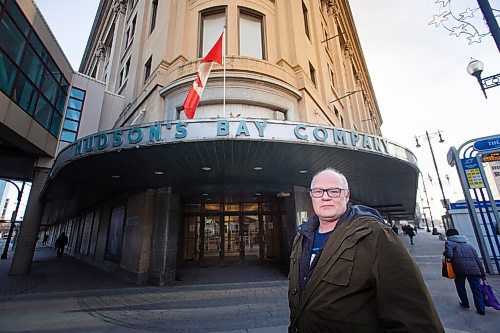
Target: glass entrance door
{"type": "Point", "coordinates": [212, 240]}
{"type": "Point", "coordinates": [232, 234]}
{"type": "Point", "coordinates": [251, 238]}
{"type": "Point", "coordinates": [232, 253]}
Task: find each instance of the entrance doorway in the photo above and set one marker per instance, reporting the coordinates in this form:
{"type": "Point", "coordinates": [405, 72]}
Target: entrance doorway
{"type": "Point", "coordinates": [232, 234]}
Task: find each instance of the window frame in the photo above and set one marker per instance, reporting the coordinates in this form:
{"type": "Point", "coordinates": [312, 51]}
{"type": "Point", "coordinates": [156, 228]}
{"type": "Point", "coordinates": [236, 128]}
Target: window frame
{"type": "Point", "coordinates": [154, 12]}
{"type": "Point", "coordinates": [63, 120]}
{"type": "Point", "coordinates": [261, 18]}
{"type": "Point", "coordinates": [202, 15]}
{"type": "Point", "coordinates": [32, 42]}
{"type": "Point", "coordinates": [147, 68]}
{"type": "Point", "coordinates": [305, 16]}
{"type": "Point", "coordinates": [312, 73]}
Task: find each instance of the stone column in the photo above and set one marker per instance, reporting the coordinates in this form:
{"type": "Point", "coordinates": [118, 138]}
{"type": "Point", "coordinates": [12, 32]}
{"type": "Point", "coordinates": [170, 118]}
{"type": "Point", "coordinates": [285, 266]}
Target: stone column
{"type": "Point", "coordinates": [26, 241]}
{"type": "Point", "coordinates": [100, 55]}
{"type": "Point", "coordinates": [119, 8]}
{"type": "Point", "coordinates": [165, 235]}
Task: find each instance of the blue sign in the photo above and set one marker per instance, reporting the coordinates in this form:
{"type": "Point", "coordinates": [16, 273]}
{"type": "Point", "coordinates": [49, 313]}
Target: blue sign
{"type": "Point", "coordinates": [472, 172]}
{"type": "Point", "coordinates": [470, 163]}
{"type": "Point", "coordinates": [487, 144]}
{"type": "Point", "coordinates": [482, 204]}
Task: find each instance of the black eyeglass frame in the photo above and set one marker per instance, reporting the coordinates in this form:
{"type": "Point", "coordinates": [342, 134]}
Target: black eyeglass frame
{"type": "Point", "coordinates": [330, 192]}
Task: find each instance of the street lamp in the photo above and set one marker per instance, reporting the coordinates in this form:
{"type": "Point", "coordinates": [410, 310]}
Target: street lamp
{"type": "Point", "coordinates": [475, 68]}
{"type": "Point", "coordinates": [445, 201]}
{"type": "Point", "coordinates": [429, 208]}
{"type": "Point", "coordinates": [14, 216]}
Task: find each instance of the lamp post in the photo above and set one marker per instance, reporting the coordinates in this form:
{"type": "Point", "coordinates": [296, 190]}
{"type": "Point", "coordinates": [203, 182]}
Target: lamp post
{"type": "Point", "coordinates": [475, 68]}
{"type": "Point", "coordinates": [445, 201]}
{"type": "Point", "coordinates": [14, 216]}
{"type": "Point", "coordinates": [424, 207]}
{"type": "Point", "coordinates": [491, 20]}
{"type": "Point", "coordinates": [429, 208]}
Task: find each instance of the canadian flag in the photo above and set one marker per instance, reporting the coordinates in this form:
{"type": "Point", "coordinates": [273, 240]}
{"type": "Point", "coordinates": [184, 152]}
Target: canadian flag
{"type": "Point", "coordinates": [193, 97]}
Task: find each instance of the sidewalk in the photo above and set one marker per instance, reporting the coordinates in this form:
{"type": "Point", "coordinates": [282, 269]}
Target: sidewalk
{"type": "Point", "coordinates": [66, 295]}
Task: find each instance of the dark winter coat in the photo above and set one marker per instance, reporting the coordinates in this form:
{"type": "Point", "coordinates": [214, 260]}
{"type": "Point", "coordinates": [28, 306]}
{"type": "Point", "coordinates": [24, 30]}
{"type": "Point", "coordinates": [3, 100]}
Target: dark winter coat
{"type": "Point", "coordinates": [410, 231]}
{"type": "Point", "coordinates": [464, 258]}
{"type": "Point", "coordinates": [365, 281]}
{"type": "Point", "coordinates": [61, 241]}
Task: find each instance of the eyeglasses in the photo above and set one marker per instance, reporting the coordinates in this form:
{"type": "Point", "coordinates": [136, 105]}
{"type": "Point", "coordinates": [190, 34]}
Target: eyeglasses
{"type": "Point", "coordinates": [331, 192]}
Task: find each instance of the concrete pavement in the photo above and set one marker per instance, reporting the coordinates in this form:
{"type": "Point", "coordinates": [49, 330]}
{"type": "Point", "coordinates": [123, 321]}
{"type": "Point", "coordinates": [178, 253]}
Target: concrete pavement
{"type": "Point", "coordinates": [66, 295]}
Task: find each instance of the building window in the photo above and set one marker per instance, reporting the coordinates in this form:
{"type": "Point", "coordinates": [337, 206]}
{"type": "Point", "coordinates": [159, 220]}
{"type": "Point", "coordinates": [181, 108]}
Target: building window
{"type": "Point", "coordinates": [120, 81]}
{"type": "Point", "coordinates": [28, 74]}
{"type": "Point", "coordinates": [147, 68]}
{"type": "Point", "coordinates": [306, 19]}
{"type": "Point", "coordinates": [312, 72]}
{"type": "Point", "coordinates": [251, 35]}
{"type": "Point", "coordinates": [129, 36]}
{"type": "Point", "coordinates": [212, 26]}
{"type": "Point", "coordinates": [154, 9]}
{"type": "Point", "coordinates": [73, 115]}
{"type": "Point", "coordinates": [124, 72]}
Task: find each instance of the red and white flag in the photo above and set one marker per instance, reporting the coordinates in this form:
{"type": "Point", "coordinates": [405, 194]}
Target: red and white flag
{"type": "Point", "coordinates": [193, 97]}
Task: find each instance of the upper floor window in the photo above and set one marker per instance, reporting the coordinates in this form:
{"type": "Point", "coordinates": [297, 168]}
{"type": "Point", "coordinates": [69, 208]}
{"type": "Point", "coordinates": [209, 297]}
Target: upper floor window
{"type": "Point", "coordinates": [251, 35]}
{"type": "Point", "coordinates": [312, 72]}
{"type": "Point", "coordinates": [147, 68]}
{"type": "Point", "coordinates": [73, 115]}
{"type": "Point", "coordinates": [129, 35]}
{"type": "Point", "coordinates": [154, 9]}
{"type": "Point", "coordinates": [306, 19]}
{"type": "Point", "coordinates": [212, 26]}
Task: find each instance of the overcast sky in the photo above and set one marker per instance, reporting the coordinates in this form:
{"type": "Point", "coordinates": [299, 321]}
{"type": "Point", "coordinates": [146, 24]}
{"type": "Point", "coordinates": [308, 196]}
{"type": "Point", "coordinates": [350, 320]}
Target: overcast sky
{"type": "Point", "coordinates": [418, 72]}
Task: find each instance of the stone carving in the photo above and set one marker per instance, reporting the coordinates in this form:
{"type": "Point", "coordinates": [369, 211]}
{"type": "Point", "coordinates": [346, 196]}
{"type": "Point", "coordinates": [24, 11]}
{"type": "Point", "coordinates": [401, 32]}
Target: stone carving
{"type": "Point", "coordinates": [120, 6]}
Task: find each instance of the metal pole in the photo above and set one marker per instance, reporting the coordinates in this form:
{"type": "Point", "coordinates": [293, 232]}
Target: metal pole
{"type": "Point", "coordinates": [423, 208]}
{"type": "Point", "coordinates": [429, 207]}
{"type": "Point", "coordinates": [13, 219]}
{"type": "Point", "coordinates": [434, 231]}
{"type": "Point", "coordinates": [426, 224]}
{"type": "Point", "coordinates": [490, 19]}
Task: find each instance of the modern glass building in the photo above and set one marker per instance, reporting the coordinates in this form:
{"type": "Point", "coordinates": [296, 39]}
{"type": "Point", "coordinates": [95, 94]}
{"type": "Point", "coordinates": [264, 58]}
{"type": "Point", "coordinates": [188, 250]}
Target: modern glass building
{"type": "Point", "coordinates": [142, 191]}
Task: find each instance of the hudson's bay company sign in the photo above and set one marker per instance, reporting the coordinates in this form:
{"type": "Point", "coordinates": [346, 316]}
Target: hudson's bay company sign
{"type": "Point", "coordinates": [168, 131]}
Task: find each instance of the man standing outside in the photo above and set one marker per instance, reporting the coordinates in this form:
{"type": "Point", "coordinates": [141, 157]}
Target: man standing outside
{"type": "Point", "coordinates": [350, 273]}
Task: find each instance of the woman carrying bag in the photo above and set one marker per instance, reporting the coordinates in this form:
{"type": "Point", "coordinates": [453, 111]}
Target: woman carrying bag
{"type": "Point", "coordinates": [466, 265]}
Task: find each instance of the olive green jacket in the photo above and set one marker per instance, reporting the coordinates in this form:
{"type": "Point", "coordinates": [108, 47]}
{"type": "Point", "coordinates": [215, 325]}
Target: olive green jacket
{"type": "Point", "coordinates": [365, 281]}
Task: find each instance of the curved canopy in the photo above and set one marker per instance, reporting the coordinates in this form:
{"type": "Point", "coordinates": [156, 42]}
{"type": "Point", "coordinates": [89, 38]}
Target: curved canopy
{"type": "Point", "coordinates": [230, 156]}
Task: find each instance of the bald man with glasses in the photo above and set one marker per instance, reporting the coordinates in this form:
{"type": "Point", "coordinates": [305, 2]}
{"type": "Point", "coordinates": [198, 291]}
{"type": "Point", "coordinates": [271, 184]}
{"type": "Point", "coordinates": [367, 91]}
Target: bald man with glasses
{"type": "Point", "coordinates": [349, 272]}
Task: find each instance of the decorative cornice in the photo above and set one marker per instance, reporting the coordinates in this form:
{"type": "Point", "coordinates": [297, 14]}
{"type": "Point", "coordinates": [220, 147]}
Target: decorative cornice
{"type": "Point", "coordinates": [120, 6]}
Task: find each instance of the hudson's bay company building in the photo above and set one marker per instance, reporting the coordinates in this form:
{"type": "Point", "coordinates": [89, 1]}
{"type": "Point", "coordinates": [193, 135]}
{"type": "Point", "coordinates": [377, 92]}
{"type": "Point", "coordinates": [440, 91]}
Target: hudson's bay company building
{"type": "Point", "coordinates": [142, 191]}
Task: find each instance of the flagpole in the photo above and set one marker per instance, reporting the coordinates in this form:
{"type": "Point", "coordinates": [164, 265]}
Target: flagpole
{"type": "Point", "coordinates": [224, 66]}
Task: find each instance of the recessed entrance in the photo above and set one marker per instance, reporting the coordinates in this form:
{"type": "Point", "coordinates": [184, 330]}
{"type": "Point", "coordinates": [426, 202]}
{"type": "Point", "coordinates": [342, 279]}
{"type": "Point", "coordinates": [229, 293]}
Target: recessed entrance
{"type": "Point", "coordinates": [232, 234]}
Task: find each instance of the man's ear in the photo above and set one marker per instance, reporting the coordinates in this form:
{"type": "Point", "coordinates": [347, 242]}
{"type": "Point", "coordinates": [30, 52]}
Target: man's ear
{"type": "Point", "coordinates": [347, 195]}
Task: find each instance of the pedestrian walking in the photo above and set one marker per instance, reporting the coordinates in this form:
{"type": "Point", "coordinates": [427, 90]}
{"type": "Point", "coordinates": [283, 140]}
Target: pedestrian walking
{"type": "Point", "coordinates": [60, 244]}
{"type": "Point", "coordinates": [349, 272]}
{"type": "Point", "coordinates": [45, 239]}
{"type": "Point", "coordinates": [411, 233]}
{"type": "Point", "coordinates": [395, 229]}
{"type": "Point", "coordinates": [466, 265]}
